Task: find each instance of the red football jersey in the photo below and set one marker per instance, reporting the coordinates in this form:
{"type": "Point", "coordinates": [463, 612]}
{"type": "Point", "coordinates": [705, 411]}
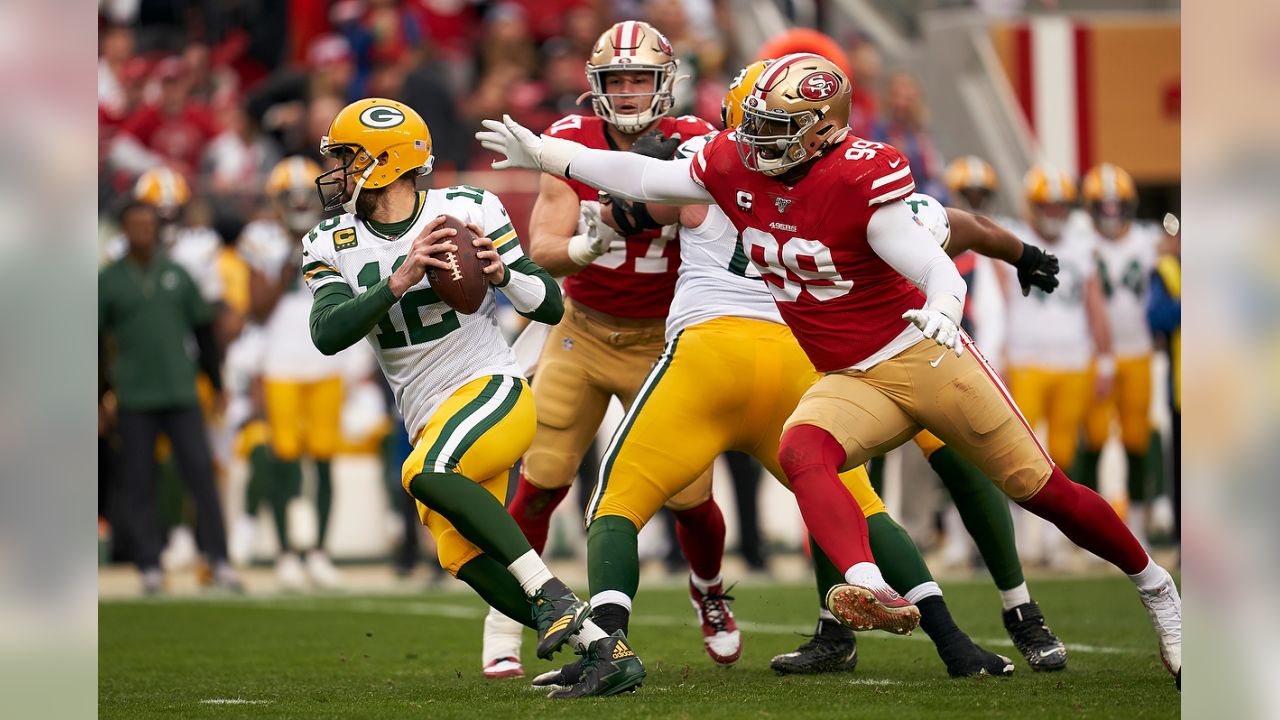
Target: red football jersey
{"type": "Point", "coordinates": [810, 243]}
{"type": "Point", "coordinates": [640, 282]}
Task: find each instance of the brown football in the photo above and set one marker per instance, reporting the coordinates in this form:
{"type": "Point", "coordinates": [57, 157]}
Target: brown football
{"type": "Point", "coordinates": [463, 287]}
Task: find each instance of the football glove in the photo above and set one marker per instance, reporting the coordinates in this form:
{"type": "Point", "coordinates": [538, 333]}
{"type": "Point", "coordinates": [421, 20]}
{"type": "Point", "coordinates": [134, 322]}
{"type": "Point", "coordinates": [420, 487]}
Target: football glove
{"type": "Point", "coordinates": [594, 238]}
{"type": "Point", "coordinates": [633, 218]}
{"type": "Point", "coordinates": [520, 148]}
{"type": "Point", "coordinates": [939, 320]}
{"type": "Point", "coordinates": [656, 145]}
{"type": "Point", "coordinates": [1036, 268]}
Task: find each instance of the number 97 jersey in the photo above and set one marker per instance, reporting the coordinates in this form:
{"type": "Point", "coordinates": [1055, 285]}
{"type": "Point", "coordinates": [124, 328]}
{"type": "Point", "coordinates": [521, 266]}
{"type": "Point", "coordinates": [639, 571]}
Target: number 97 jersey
{"type": "Point", "coordinates": [809, 242]}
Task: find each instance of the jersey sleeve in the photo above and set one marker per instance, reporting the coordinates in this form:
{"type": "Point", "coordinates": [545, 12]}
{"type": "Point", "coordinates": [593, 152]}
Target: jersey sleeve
{"type": "Point", "coordinates": [690, 147]}
{"type": "Point", "coordinates": [932, 215]}
{"type": "Point", "coordinates": [498, 228]}
{"type": "Point", "coordinates": [887, 179]}
{"type": "Point", "coordinates": [319, 268]}
{"type": "Point", "coordinates": [698, 166]}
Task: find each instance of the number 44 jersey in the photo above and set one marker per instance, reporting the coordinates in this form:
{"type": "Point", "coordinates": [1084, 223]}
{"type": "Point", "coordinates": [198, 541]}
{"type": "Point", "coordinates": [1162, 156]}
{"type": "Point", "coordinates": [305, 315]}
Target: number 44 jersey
{"type": "Point", "coordinates": [426, 348]}
{"type": "Point", "coordinates": [809, 242]}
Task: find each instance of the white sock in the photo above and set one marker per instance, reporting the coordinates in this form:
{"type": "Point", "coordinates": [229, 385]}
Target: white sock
{"type": "Point", "coordinates": [922, 591]}
{"type": "Point", "coordinates": [1152, 576]}
{"type": "Point", "coordinates": [825, 614]}
{"type": "Point", "coordinates": [589, 633]}
{"type": "Point", "coordinates": [867, 575]}
{"type": "Point", "coordinates": [1013, 597]}
{"type": "Point", "coordinates": [611, 597]}
{"type": "Point", "coordinates": [530, 571]}
{"type": "Point", "coordinates": [704, 585]}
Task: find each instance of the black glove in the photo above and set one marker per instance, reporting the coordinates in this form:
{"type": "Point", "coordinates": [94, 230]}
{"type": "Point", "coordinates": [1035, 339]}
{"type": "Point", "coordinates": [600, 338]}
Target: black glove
{"type": "Point", "coordinates": [656, 145]}
{"type": "Point", "coordinates": [633, 218]}
{"type": "Point", "coordinates": [1036, 267]}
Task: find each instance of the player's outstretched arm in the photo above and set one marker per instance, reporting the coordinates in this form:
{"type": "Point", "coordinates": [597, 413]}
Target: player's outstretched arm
{"type": "Point", "coordinates": [987, 237]}
{"type": "Point", "coordinates": [626, 175]}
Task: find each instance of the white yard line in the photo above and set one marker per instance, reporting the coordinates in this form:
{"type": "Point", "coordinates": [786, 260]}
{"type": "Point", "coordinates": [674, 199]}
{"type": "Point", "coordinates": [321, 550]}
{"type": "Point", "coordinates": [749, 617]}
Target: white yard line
{"type": "Point", "coordinates": [233, 701]}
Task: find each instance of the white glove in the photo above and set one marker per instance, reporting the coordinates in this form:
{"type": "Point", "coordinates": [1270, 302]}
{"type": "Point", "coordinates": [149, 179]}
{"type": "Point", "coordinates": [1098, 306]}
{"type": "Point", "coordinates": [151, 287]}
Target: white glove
{"type": "Point", "coordinates": [523, 149]}
{"type": "Point", "coordinates": [594, 238]}
{"type": "Point", "coordinates": [939, 321]}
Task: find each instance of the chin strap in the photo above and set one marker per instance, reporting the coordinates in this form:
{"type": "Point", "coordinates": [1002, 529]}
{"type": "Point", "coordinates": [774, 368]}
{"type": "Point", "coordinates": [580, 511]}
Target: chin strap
{"type": "Point", "coordinates": [350, 205]}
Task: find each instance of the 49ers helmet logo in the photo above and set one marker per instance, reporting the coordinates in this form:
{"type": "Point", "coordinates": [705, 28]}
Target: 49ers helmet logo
{"type": "Point", "coordinates": [663, 43]}
{"type": "Point", "coordinates": [819, 86]}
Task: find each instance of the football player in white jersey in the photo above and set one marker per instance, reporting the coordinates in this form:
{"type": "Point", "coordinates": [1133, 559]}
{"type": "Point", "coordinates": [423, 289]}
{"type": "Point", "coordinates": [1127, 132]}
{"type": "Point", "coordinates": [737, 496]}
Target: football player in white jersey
{"type": "Point", "coordinates": [453, 375]}
{"type": "Point", "coordinates": [1126, 253]}
{"type": "Point", "coordinates": [302, 390]}
{"type": "Point", "coordinates": [1050, 338]}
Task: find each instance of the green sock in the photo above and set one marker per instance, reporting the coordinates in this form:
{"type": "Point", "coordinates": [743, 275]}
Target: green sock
{"type": "Point", "coordinates": [261, 467]}
{"type": "Point", "coordinates": [324, 499]}
{"type": "Point", "coordinates": [478, 516]}
{"type": "Point", "coordinates": [498, 587]}
{"type": "Point", "coordinates": [1086, 470]}
{"type": "Point", "coordinates": [613, 561]}
{"type": "Point", "coordinates": [286, 483]}
{"type": "Point", "coordinates": [1138, 486]}
{"type": "Point", "coordinates": [898, 557]}
{"type": "Point", "coordinates": [875, 472]}
{"type": "Point", "coordinates": [824, 571]}
{"type": "Point", "coordinates": [985, 513]}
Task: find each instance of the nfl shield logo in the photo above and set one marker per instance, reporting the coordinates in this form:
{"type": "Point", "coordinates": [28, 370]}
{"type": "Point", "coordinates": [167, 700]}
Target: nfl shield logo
{"type": "Point", "coordinates": [782, 203]}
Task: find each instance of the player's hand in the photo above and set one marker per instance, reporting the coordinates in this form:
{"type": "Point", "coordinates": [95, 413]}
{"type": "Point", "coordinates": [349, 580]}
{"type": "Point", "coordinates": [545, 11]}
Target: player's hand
{"type": "Point", "coordinates": [1036, 268]}
{"type": "Point", "coordinates": [494, 269]}
{"type": "Point", "coordinates": [596, 238]}
{"type": "Point", "coordinates": [520, 148]}
{"type": "Point", "coordinates": [432, 241]}
{"type": "Point", "coordinates": [937, 323]}
{"type": "Point", "coordinates": [656, 145]}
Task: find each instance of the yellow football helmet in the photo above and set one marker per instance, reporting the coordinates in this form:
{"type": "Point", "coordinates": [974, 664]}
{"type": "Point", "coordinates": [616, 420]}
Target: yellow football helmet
{"type": "Point", "coordinates": [163, 188]}
{"type": "Point", "coordinates": [632, 46]}
{"type": "Point", "coordinates": [795, 110]}
{"type": "Point", "coordinates": [1111, 198]}
{"type": "Point", "coordinates": [1050, 193]}
{"type": "Point", "coordinates": [289, 189]}
{"type": "Point", "coordinates": [731, 107]}
{"type": "Point", "coordinates": [972, 178]}
{"type": "Point", "coordinates": [376, 141]}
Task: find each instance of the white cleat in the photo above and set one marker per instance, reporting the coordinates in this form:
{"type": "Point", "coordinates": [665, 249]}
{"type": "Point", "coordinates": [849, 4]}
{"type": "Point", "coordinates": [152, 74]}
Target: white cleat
{"type": "Point", "coordinates": [500, 651]}
{"type": "Point", "coordinates": [289, 572]}
{"type": "Point", "coordinates": [1164, 605]}
{"type": "Point", "coordinates": [321, 570]}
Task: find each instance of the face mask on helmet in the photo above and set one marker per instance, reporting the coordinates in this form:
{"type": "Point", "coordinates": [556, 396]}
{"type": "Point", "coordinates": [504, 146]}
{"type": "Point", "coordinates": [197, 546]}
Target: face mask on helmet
{"type": "Point", "coordinates": [976, 197]}
{"type": "Point", "coordinates": [1050, 219]}
{"type": "Point", "coordinates": [631, 97]}
{"type": "Point", "coordinates": [772, 142]}
{"type": "Point", "coordinates": [352, 162]}
{"type": "Point", "coordinates": [297, 209]}
{"type": "Point", "coordinates": [1111, 218]}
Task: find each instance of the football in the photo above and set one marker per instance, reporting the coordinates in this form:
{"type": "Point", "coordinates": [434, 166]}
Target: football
{"type": "Point", "coordinates": [463, 287]}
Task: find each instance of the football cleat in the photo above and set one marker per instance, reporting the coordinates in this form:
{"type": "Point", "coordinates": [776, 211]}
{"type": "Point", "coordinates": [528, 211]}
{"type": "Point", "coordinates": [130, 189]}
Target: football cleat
{"type": "Point", "coordinates": [507, 667]}
{"type": "Point", "coordinates": [564, 676]}
{"type": "Point", "coordinates": [322, 571]}
{"type": "Point", "coordinates": [289, 572]}
{"type": "Point", "coordinates": [609, 667]}
{"type": "Point", "coordinates": [832, 648]}
{"type": "Point", "coordinates": [558, 613]}
{"type": "Point", "coordinates": [1033, 638]}
{"type": "Point", "coordinates": [861, 608]}
{"type": "Point", "coordinates": [720, 634]}
{"type": "Point", "coordinates": [965, 658]}
{"type": "Point", "coordinates": [1164, 605]}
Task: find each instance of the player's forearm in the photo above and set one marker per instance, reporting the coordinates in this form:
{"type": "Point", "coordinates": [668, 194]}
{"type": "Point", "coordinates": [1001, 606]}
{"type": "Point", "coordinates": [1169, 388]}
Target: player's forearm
{"type": "Point", "coordinates": [550, 252]}
{"type": "Point", "coordinates": [908, 248]}
{"type": "Point", "coordinates": [532, 292]}
{"type": "Point", "coordinates": [1095, 305]}
{"type": "Point", "coordinates": [636, 177]}
{"type": "Point", "coordinates": [340, 320]}
{"type": "Point", "coordinates": [983, 236]}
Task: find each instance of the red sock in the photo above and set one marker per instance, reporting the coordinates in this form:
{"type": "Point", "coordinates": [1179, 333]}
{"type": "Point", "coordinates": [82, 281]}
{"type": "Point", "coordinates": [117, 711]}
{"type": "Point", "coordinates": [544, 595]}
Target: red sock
{"type": "Point", "coordinates": [700, 531]}
{"type": "Point", "coordinates": [811, 458]}
{"type": "Point", "coordinates": [1089, 521]}
{"type": "Point", "coordinates": [532, 508]}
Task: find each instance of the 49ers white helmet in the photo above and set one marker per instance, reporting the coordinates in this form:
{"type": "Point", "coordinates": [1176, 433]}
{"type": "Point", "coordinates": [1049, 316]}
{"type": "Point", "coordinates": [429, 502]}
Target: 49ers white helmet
{"type": "Point", "coordinates": [632, 46]}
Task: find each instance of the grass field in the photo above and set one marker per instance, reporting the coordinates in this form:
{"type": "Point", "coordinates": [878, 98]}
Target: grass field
{"type": "Point", "coordinates": [399, 656]}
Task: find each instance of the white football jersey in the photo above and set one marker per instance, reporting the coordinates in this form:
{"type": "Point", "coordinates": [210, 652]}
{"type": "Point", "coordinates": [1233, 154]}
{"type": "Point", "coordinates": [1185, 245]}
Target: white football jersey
{"type": "Point", "coordinates": [1125, 267]}
{"type": "Point", "coordinates": [287, 351]}
{"type": "Point", "coordinates": [426, 349]}
{"type": "Point", "coordinates": [716, 277]}
{"type": "Point", "coordinates": [243, 361]}
{"type": "Point", "coordinates": [1051, 330]}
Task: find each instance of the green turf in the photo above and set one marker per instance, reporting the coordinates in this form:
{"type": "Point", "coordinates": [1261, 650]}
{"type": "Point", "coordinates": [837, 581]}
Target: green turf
{"type": "Point", "coordinates": [418, 656]}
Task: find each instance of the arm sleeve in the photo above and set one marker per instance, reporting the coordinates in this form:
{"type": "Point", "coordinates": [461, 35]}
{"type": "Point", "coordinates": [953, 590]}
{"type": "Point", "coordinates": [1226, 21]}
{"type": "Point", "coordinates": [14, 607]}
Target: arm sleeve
{"type": "Point", "coordinates": [532, 291]}
{"type": "Point", "coordinates": [339, 319]}
{"type": "Point", "coordinates": [636, 177]}
{"type": "Point", "coordinates": [908, 248]}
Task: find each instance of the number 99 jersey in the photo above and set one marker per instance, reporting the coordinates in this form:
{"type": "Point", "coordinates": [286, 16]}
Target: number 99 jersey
{"type": "Point", "coordinates": [637, 283]}
{"type": "Point", "coordinates": [426, 349]}
{"type": "Point", "coordinates": [809, 242]}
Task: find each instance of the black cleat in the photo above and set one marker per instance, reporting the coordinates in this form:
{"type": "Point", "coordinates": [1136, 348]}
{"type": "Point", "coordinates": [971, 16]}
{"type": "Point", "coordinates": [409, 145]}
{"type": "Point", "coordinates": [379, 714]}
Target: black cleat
{"type": "Point", "coordinates": [1033, 638]}
{"type": "Point", "coordinates": [558, 614]}
{"type": "Point", "coordinates": [563, 676]}
{"type": "Point", "coordinates": [832, 648]}
{"type": "Point", "coordinates": [609, 667]}
{"type": "Point", "coordinates": [964, 658]}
